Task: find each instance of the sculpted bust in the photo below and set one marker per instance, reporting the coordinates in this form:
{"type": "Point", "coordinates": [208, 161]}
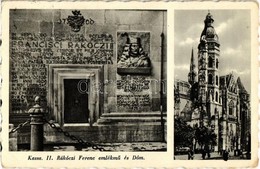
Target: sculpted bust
{"type": "Point", "coordinates": [133, 54]}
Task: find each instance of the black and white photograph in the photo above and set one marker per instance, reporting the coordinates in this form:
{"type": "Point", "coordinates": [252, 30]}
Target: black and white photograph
{"type": "Point", "coordinates": [212, 85]}
{"type": "Point", "coordinates": [111, 84]}
{"type": "Point", "coordinates": [87, 80]}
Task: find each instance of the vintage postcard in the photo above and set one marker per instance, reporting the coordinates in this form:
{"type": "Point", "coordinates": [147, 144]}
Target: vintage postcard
{"type": "Point", "coordinates": [129, 84]}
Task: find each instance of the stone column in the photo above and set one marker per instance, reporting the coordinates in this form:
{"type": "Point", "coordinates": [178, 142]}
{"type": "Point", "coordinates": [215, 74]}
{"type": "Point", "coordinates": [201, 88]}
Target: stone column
{"type": "Point", "coordinates": [239, 145]}
{"type": "Point", "coordinates": [224, 136]}
{"type": "Point", "coordinates": [12, 139]}
{"type": "Point", "coordinates": [216, 131]}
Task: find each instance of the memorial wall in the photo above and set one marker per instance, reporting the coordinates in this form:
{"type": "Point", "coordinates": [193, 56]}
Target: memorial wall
{"type": "Point", "coordinates": [129, 44]}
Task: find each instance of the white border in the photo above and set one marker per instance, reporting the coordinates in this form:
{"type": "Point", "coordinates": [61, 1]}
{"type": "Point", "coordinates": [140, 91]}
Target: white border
{"type": "Point", "coordinates": [152, 159]}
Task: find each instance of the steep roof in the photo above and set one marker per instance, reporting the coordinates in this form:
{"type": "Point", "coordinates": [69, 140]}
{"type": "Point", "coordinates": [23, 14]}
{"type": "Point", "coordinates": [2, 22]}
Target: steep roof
{"type": "Point", "coordinates": [241, 86]}
{"type": "Point", "coordinates": [229, 78]}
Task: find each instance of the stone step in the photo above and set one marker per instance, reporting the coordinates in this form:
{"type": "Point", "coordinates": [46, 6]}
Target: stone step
{"type": "Point", "coordinates": [131, 117]}
{"type": "Point", "coordinates": [133, 114]}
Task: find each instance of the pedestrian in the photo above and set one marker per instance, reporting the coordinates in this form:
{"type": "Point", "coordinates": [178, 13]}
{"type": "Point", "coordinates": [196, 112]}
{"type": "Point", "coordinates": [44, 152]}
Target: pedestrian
{"type": "Point", "coordinates": [190, 154]}
{"type": "Point", "coordinates": [208, 153]}
{"type": "Point", "coordinates": [207, 150]}
{"type": "Point", "coordinates": [203, 152]}
{"type": "Point", "coordinates": [225, 155]}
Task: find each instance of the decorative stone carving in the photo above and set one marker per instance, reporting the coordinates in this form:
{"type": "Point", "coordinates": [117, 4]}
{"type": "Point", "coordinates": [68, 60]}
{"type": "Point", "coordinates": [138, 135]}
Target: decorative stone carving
{"type": "Point", "coordinates": [75, 21]}
{"type": "Point", "coordinates": [133, 53]}
{"type": "Point", "coordinates": [202, 77]}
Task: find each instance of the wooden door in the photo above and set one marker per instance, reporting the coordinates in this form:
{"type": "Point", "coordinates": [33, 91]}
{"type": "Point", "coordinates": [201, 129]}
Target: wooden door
{"type": "Point", "coordinates": [76, 109]}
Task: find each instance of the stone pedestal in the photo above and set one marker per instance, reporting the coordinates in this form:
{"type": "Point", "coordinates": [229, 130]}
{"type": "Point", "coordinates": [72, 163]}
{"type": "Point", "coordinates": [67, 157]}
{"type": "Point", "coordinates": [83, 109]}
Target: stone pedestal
{"type": "Point", "coordinates": [36, 114]}
{"type": "Point", "coordinates": [12, 139]}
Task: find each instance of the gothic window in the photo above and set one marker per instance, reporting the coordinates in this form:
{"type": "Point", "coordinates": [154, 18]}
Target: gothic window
{"type": "Point", "coordinates": [231, 108]}
{"type": "Point", "coordinates": [216, 98]}
{"type": "Point", "coordinates": [217, 80]}
{"type": "Point", "coordinates": [210, 79]}
{"type": "Point", "coordinates": [217, 63]}
{"type": "Point", "coordinates": [210, 64]}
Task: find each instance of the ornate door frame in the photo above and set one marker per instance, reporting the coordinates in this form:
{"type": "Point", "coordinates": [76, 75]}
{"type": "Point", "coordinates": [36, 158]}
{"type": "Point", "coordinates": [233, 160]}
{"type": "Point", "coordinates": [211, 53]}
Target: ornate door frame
{"type": "Point", "coordinates": [56, 76]}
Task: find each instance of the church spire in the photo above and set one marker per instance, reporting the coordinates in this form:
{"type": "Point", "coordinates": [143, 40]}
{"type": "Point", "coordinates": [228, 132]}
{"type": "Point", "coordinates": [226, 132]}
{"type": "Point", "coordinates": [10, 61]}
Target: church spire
{"type": "Point", "coordinates": [192, 74]}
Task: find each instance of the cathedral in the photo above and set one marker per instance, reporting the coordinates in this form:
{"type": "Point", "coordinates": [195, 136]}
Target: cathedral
{"type": "Point", "coordinates": [219, 102]}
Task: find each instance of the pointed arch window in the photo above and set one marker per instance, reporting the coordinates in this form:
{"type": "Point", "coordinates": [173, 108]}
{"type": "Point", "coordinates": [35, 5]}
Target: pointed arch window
{"type": "Point", "coordinates": [217, 63]}
{"type": "Point", "coordinates": [216, 97]}
{"type": "Point", "coordinates": [217, 80]}
{"type": "Point", "coordinates": [210, 64]}
{"type": "Point", "coordinates": [210, 79]}
{"type": "Point", "coordinates": [231, 108]}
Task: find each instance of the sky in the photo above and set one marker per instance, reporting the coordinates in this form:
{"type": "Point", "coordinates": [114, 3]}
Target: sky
{"type": "Point", "coordinates": [234, 31]}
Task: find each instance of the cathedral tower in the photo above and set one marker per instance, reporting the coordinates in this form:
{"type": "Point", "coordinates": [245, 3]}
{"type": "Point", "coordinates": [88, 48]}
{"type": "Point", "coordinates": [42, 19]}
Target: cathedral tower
{"type": "Point", "coordinates": [192, 74]}
{"type": "Point", "coordinates": [208, 63]}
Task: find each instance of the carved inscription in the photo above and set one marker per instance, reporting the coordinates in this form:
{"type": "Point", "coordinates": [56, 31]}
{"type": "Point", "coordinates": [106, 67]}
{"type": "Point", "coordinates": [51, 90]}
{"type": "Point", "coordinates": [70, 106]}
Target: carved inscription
{"type": "Point", "coordinates": [62, 48]}
{"type": "Point", "coordinates": [133, 102]}
{"type": "Point", "coordinates": [31, 53]}
{"type": "Point", "coordinates": [133, 84]}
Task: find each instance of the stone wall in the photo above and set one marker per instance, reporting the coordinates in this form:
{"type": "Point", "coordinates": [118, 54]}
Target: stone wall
{"type": "Point", "coordinates": [91, 38]}
{"type": "Point", "coordinates": [42, 37]}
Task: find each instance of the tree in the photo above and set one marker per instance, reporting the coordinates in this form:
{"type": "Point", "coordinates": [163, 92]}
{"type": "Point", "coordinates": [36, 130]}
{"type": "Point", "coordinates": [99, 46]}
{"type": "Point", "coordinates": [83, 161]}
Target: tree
{"type": "Point", "coordinates": [205, 138]}
{"type": "Point", "coordinates": [183, 133]}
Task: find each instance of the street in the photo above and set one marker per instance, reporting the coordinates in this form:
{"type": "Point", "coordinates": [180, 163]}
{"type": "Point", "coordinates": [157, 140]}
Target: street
{"type": "Point", "coordinates": [213, 156]}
